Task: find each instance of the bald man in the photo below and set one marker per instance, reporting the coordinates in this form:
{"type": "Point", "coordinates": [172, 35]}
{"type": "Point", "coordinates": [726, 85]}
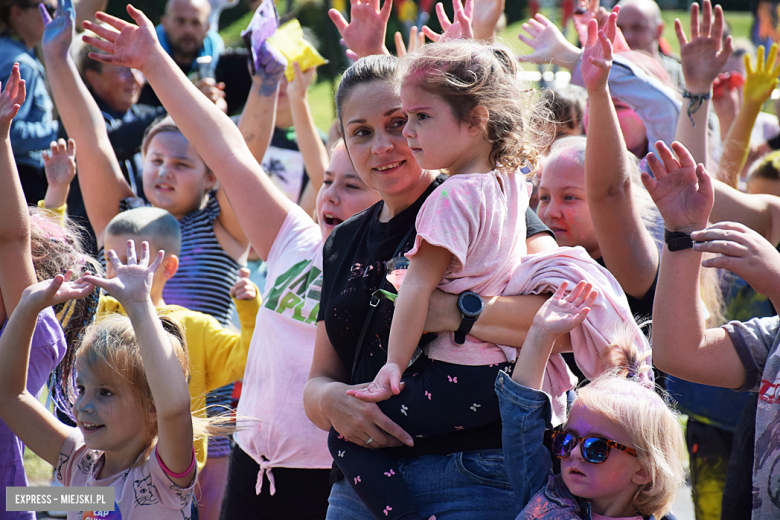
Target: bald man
{"type": "Point", "coordinates": [642, 26]}
{"type": "Point", "coordinates": [184, 34]}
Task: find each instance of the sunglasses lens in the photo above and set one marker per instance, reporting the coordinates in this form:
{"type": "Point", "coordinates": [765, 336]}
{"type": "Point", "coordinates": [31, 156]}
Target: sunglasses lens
{"type": "Point", "coordinates": [562, 443]}
{"type": "Point", "coordinates": [595, 450]}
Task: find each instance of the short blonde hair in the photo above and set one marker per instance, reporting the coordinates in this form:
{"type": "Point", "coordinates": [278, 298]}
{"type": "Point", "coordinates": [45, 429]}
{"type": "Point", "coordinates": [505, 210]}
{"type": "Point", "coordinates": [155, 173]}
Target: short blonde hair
{"type": "Point", "coordinates": [653, 427]}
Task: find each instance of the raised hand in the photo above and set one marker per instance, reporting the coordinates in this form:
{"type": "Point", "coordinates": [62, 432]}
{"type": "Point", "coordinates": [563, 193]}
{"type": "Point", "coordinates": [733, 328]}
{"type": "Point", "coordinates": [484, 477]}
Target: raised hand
{"type": "Point", "coordinates": [586, 11]}
{"type": "Point", "coordinates": [744, 252]}
{"type": "Point", "coordinates": [485, 18]}
{"type": "Point", "coordinates": [243, 289]}
{"type": "Point", "coordinates": [299, 86]}
{"type": "Point", "coordinates": [57, 32]}
{"type": "Point", "coordinates": [59, 162]}
{"type": "Point", "coordinates": [364, 35]}
{"type": "Point", "coordinates": [459, 28]}
{"type": "Point", "coordinates": [706, 53]}
{"type": "Point", "coordinates": [681, 189]}
{"type": "Point", "coordinates": [133, 281]}
{"type": "Point", "coordinates": [386, 384]}
{"type": "Point", "coordinates": [761, 80]}
{"type": "Point", "coordinates": [562, 313]}
{"type": "Point", "coordinates": [269, 68]}
{"type": "Point", "coordinates": [597, 54]}
{"type": "Point", "coordinates": [416, 41]}
{"type": "Point", "coordinates": [11, 99]}
{"type": "Point", "coordinates": [55, 291]}
{"type": "Point", "coordinates": [125, 44]}
{"type": "Point", "coordinates": [548, 43]}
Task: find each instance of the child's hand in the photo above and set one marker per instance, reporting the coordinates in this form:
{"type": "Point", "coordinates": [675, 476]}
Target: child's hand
{"type": "Point", "coordinates": [57, 33]}
{"type": "Point", "coordinates": [549, 44]}
{"type": "Point", "coordinates": [416, 41]}
{"type": "Point", "coordinates": [55, 291]}
{"type": "Point", "coordinates": [761, 80]}
{"type": "Point", "coordinates": [459, 28]}
{"type": "Point", "coordinates": [486, 15]}
{"type": "Point", "coordinates": [743, 252]}
{"type": "Point", "coordinates": [364, 35]}
{"type": "Point", "coordinates": [299, 86]}
{"type": "Point", "coordinates": [704, 56]}
{"type": "Point", "coordinates": [681, 189]}
{"type": "Point", "coordinates": [11, 98]}
{"type": "Point", "coordinates": [126, 44]}
{"type": "Point", "coordinates": [133, 281]}
{"type": "Point", "coordinates": [588, 10]}
{"type": "Point", "coordinates": [560, 314]}
{"type": "Point", "coordinates": [243, 289]}
{"type": "Point", "coordinates": [386, 384]}
{"type": "Point", "coordinates": [597, 54]}
{"type": "Point", "coordinates": [59, 162]}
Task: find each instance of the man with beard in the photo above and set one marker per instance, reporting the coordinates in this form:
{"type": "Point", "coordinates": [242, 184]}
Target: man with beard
{"type": "Point", "coordinates": [184, 33]}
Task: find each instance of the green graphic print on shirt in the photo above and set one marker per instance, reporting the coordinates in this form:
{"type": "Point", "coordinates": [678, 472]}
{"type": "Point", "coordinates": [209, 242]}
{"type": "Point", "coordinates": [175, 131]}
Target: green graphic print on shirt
{"type": "Point", "coordinates": [292, 290]}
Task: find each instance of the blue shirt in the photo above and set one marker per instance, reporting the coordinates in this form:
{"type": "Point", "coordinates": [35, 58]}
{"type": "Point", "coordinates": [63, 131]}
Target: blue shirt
{"type": "Point", "coordinates": [33, 128]}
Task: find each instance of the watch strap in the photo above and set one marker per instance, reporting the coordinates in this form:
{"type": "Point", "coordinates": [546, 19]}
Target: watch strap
{"type": "Point", "coordinates": [677, 241]}
{"type": "Point", "coordinates": [466, 323]}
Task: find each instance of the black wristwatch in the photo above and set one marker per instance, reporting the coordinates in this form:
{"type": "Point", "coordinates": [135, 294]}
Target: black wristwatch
{"type": "Point", "coordinates": [677, 241]}
{"type": "Point", "coordinates": [470, 305]}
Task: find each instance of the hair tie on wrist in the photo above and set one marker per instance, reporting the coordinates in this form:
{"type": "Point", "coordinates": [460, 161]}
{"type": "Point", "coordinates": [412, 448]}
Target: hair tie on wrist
{"type": "Point", "coordinates": [697, 100]}
{"type": "Point", "coordinates": [171, 473]}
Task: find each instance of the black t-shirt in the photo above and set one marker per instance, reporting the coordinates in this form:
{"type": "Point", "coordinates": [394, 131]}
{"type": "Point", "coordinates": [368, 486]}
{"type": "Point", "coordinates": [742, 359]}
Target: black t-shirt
{"type": "Point", "coordinates": [354, 265]}
{"type": "Point", "coordinates": [641, 308]}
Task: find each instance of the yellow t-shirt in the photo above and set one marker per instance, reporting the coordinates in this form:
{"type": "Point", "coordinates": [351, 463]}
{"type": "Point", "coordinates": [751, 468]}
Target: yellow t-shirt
{"type": "Point", "coordinates": [217, 355]}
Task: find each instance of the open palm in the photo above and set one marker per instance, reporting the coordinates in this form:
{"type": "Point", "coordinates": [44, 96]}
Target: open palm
{"type": "Point", "coordinates": [133, 281]}
{"type": "Point", "coordinates": [126, 44]}
{"type": "Point", "coordinates": [562, 313]}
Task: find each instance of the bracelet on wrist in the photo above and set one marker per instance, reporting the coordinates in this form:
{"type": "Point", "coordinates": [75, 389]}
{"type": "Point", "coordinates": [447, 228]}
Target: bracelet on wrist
{"type": "Point", "coordinates": [677, 241]}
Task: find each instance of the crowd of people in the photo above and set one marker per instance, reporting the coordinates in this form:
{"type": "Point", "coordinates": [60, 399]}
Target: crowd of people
{"type": "Point", "coordinates": [469, 299]}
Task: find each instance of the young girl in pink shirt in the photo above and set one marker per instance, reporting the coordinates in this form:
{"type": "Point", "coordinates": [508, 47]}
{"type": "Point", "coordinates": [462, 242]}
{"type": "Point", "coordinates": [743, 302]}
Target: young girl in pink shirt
{"type": "Point", "coordinates": [467, 116]}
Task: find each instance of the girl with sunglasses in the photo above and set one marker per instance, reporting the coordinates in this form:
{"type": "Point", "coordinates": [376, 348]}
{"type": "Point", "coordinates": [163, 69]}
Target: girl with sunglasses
{"type": "Point", "coordinates": [621, 448]}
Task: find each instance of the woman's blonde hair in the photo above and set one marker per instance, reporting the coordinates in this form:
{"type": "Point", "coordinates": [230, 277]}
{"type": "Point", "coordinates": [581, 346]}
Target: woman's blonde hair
{"type": "Point", "coordinates": [467, 75]}
{"type": "Point", "coordinates": [628, 399]}
{"type": "Point", "coordinates": [110, 350]}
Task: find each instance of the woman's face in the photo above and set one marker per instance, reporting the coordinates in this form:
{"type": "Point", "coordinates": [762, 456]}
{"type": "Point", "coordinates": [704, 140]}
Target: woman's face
{"type": "Point", "coordinates": [563, 206]}
{"type": "Point", "coordinates": [373, 124]}
{"type": "Point", "coordinates": [342, 194]}
{"type": "Point", "coordinates": [175, 177]}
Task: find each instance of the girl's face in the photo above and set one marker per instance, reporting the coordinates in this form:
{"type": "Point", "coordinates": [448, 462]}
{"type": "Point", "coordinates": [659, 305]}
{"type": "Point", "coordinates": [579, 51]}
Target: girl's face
{"type": "Point", "coordinates": [342, 194]}
{"type": "Point", "coordinates": [610, 486]}
{"type": "Point", "coordinates": [373, 124]}
{"type": "Point", "coordinates": [563, 206]}
{"type": "Point", "coordinates": [109, 415]}
{"type": "Point", "coordinates": [437, 140]}
{"type": "Point", "coordinates": [175, 178]}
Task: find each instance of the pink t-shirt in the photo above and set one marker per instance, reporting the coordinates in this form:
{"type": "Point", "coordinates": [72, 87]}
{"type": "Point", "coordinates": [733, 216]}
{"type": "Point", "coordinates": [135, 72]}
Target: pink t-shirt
{"type": "Point", "coordinates": [141, 493]}
{"type": "Point", "coordinates": [480, 219]}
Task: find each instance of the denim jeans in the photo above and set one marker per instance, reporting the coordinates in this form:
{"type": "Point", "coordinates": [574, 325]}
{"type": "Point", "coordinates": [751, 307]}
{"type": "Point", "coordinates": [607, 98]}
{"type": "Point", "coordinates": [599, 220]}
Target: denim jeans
{"type": "Point", "coordinates": [462, 486]}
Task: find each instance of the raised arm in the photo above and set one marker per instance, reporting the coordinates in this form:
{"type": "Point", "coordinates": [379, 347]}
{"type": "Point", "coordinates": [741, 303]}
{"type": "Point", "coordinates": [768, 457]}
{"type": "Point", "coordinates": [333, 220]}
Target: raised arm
{"type": "Point", "coordinates": [132, 286]}
{"type": "Point", "coordinates": [260, 208]}
{"type": "Point", "coordinates": [548, 43]}
{"type": "Point", "coordinates": [16, 267]}
{"type": "Point", "coordinates": [19, 409]}
{"type": "Point", "coordinates": [102, 183]}
{"type": "Point", "coordinates": [759, 84]}
{"type": "Point", "coordinates": [627, 247]}
{"type": "Point", "coordinates": [315, 156]}
{"type": "Point", "coordinates": [682, 346]}
{"type": "Point", "coordinates": [703, 57]}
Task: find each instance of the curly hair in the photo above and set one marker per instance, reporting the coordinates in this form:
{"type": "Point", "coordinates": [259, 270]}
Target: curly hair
{"type": "Point", "coordinates": [466, 75]}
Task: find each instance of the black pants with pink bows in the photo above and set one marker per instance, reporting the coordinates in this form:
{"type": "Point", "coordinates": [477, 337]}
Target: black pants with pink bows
{"type": "Point", "coordinates": [437, 398]}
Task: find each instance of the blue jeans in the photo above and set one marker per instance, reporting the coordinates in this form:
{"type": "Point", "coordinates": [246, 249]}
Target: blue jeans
{"type": "Point", "coordinates": [462, 486]}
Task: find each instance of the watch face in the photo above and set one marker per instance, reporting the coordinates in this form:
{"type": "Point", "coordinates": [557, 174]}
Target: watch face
{"type": "Point", "coordinates": [470, 304]}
